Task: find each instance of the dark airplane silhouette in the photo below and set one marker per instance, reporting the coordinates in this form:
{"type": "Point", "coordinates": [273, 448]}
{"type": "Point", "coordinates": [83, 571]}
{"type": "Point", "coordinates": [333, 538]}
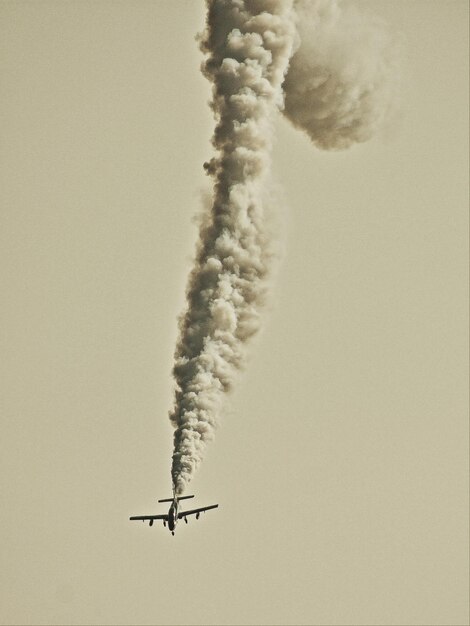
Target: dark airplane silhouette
{"type": "Point", "coordinates": [174, 514]}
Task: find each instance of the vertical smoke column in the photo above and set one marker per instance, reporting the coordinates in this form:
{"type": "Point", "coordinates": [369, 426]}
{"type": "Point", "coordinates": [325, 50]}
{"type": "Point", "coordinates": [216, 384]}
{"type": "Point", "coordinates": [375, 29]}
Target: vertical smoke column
{"type": "Point", "coordinates": [248, 44]}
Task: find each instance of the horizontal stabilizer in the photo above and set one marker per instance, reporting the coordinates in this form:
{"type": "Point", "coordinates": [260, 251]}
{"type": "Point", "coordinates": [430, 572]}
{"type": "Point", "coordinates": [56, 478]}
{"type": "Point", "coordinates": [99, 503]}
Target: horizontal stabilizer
{"type": "Point", "coordinates": [178, 498]}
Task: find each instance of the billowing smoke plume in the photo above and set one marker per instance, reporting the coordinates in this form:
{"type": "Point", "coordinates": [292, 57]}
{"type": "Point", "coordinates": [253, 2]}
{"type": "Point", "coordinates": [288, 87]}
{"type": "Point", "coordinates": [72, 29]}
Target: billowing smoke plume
{"type": "Point", "coordinates": [342, 80]}
{"type": "Point", "coordinates": [248, 45]}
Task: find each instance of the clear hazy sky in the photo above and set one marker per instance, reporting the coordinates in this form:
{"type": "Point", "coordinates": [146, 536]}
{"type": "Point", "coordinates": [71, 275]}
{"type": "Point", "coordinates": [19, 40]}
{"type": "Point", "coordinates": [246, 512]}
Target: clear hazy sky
{"type": "Point", "coordinates": [341, 464]}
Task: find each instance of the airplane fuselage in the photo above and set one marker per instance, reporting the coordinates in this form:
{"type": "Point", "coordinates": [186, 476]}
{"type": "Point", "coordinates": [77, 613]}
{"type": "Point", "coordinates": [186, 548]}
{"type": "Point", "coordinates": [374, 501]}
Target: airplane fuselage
{"type": "Point", "coordinates": [173, 516]}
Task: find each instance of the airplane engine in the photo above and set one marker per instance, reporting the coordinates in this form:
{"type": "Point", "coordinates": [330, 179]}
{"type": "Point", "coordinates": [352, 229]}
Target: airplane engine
{"type": "Point", "coordinates": [186, 520]}
{"type": "Point", "coordinates": [197, 515]}
{"type": "Point", "coordinates": [151, 522]}
{"type": "Point", "coordinates": [164, 523]}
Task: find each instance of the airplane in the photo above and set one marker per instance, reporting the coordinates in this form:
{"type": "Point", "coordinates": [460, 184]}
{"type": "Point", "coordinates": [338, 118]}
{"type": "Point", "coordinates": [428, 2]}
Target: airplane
{"type": "Point", "coordinates": [174, 514]}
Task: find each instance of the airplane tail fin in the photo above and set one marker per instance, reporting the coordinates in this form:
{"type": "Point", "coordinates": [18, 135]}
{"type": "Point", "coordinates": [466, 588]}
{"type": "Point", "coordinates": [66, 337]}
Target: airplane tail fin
{"type": "Point", "coordinates": [178, 498]}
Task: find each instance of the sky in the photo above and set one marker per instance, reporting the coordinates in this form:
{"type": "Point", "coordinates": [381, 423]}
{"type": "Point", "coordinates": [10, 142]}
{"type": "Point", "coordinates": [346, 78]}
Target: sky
{"type": "Point", "coordinates": [341, 463]}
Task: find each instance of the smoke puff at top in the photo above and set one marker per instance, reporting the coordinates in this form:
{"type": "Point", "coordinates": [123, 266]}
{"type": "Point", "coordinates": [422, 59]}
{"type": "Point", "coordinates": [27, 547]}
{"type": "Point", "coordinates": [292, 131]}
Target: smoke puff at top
{"type": "Point", "coordinates": [332, 72]}
{"type": "Point", "coordinates": [342, 81]}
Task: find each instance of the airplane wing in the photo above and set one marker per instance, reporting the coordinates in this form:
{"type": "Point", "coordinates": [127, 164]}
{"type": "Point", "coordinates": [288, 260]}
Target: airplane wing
{"type": "Point", "coordinates": [193, 511]}
{"type": "Point", "coordinates": [149, 517]}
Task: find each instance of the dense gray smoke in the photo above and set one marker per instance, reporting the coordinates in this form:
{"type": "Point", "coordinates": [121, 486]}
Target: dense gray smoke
{"type": "Point", "coordinates": [342, 80]}
{"type": "Point", "coordinates": [248, 45]}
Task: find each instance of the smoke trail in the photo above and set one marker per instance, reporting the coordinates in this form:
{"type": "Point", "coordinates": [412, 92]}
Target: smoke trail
{"type": "Point", "coordinates": [248, 44]}
{"type": "Point", "coordinates": [343, 79]}
{"type": "Point", "coordinates": [338, 90]}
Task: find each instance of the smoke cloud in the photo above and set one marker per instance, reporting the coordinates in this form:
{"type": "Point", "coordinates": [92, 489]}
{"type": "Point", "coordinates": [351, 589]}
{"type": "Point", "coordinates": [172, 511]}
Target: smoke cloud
{"type": "Point", "coordinates": [335, 90]}
{"type": "Point", "coordinates": [248, 45]}
{"type": "Point", "coordinates": [342, 80]}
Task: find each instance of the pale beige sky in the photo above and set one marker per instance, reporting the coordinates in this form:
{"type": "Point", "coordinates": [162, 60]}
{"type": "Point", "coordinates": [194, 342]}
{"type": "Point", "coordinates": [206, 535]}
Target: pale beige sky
{"type": "Point", "coordinates": [341, 464]}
